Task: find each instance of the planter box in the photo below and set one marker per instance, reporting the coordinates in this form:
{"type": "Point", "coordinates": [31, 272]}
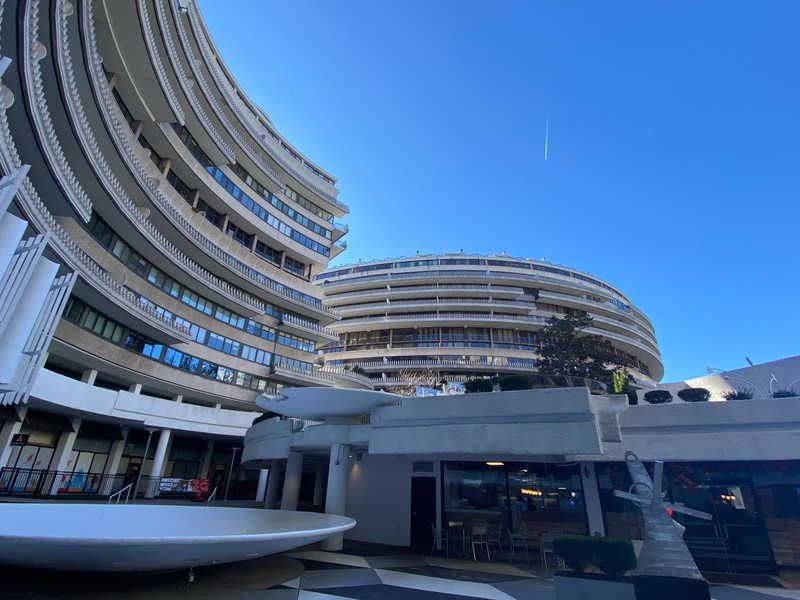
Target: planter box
{"type": "Point", "coordinates": [592, 586]}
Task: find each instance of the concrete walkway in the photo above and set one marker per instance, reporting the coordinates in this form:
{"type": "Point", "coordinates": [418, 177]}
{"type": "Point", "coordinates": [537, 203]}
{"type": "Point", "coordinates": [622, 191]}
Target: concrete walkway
{"type": "Point", "coordinates": [360, 572]}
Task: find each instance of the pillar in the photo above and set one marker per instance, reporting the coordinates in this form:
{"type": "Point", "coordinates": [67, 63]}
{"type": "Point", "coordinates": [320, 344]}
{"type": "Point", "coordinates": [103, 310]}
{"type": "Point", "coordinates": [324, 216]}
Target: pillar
{"type": "Point", "coordinates": [157, 467]}
{"type": "Point", "coordinates": [60, 459]}
{"type": "Point", "coordinates": [10, 428]}
{"type": "Point", "coordinates": [591, 498]}
{"type": "Point", "coordinates": [291, 481]}
{"type": "Point", "coordinates": [135, 388]}
{"type": "Point", "coordinates": [319, 486]}
{"type": "Point", "coordinates": [88, 376]}
{"type": "Point", "coordinates": [112, 464]}
{"type": "Point", "coordinates": [273, 483]}
{"type": "Point", "coordinates": [336, 499]}
{"type": "Point", "coordinates": [205, 461]}
{"type": "Point", "coordinates": [263, 476]}
{"type": "Point", "coordinates": [165, 166]}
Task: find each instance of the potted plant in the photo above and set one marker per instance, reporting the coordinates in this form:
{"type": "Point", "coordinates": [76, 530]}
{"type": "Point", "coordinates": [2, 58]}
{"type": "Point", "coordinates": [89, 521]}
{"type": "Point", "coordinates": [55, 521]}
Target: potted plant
{"type": "Point", "coordinates": [694, 395]}
{"type": "Point", "coordinates": [657, 397]}
{"type": "Point", "coordinates": [739, 394]}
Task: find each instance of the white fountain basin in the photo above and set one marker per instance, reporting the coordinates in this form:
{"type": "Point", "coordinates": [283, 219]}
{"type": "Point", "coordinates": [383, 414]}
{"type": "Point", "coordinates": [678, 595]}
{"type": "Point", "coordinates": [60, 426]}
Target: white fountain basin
{"type": "Point", "coordinates": [132, 537]}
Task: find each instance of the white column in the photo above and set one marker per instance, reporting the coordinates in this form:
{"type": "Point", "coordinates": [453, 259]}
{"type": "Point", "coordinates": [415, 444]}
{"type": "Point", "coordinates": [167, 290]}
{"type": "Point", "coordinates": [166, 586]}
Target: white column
{"type": "Point", "coordinates": [336, 499]}
{"type": "Point", "coordinates": [7, 433]}
{"type": "Point", "coordinates": [158, 462]}
{"type": "Point", "coordinates": [88, 376]}
{"type": "Point", "coordinates": [11, 231]}
{"type": "Point", "coordinates": [63, 449]}
{"type": "Point", "coordinates": [22, 320]}
{"type": "Point", "coordinates": [261, 490]}
{"type": "Point", "coordinates": [273, 483]}
{"type": "Point", "coordinates": [291, 481]}
{"type": "Point", "coordinates": [319, 486]}
{"type": "Point", "coordinates": [112, 464]}
{"type": "Point", "coordinates": [135, 388]}
{"type": "Point", "coordinates": [591, 498]}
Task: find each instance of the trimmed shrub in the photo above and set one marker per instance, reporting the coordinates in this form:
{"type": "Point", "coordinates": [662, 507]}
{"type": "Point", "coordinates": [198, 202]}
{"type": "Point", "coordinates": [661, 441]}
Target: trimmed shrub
{"type": "Point", "coordinates": [576, 551]}
{"type": "Point", "coordinates": [514, 382]}
{"type": "Point", "coordinates": [790, 393]}
{"type": "Point", "coordinates": [739, 394]}
{"type": "Point", "coordinates": [613, 556]}
{"type": "Point", "coordinates": [658, 397]}
{"type": "Point", "coordinates": [694, 395]}
{"type": "Point", "coordinates": [633, 397]}
{"type": "Point", "coordinates": [476, 386]}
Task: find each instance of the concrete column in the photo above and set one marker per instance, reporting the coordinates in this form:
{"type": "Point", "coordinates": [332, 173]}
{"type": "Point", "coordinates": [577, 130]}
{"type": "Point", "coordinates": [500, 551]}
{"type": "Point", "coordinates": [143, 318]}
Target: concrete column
{"type": "Point", "coordinates": [10, 428]}
{"type": "Point", "coordinates": [261, 490]}
{"type": "Point", "coordinates": [23, 318]}
{"type": "Point", "coordinates": [178, 398]}
{"type": "Point", "coordinates": [165, 165]}
{"type": "Point", "coordinates": [273, 483]}
{"type": "Point", "coordinates": [291, 481]}
{"type": "Point", "coordinates": [11, 231]}
{"type": "Point", "coordinates": [88, 376]}
{"type": "Point", "coordinates": [112, 79]}
{"type": "Point", "coordinates": [336, 499]}
{"type": "Point", "coordinates": [135, 388]}
{"type": "Point", "coordinates": [205, 461]}
{"type": "Point", "coordinates": [224, 225]}
{"type": "Point", "coordinates": [136, 127]}
{"type": "Point", "coordinates": [112, 464]}
{"type": "Point", "coordinates": [195, 198]}
{"type": "Point", "coordinates": [254, 243]}
{"type": "Point", "coordinates": [319, 486]}
{"type": "Point", "coordinates": [591, 498]}
{"type": "Point", "coordinates": [63, 449]}
{"type": "Point", "coordinates": [157, 467]}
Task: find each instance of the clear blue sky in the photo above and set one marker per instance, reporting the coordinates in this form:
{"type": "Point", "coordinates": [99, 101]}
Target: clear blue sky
{"type": "Point", "coordinates": [673, 168]}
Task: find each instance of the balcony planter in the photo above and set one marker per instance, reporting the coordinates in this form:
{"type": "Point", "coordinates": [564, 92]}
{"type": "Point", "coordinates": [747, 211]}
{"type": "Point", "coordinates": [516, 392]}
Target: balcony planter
{"type": "Point", "coordinates": [592, 586]}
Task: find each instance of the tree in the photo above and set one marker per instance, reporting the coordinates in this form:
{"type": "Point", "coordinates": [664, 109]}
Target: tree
{"type": "Point", "coordinates": [566, 350]}
{"type": "Point", "coordinates": [621, 383]}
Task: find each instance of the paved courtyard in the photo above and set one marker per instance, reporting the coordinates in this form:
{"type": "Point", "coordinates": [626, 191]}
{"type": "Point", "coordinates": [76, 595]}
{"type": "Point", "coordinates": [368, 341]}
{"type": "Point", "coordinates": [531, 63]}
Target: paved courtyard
{"type": "Point", "coordinates": [360, 572]}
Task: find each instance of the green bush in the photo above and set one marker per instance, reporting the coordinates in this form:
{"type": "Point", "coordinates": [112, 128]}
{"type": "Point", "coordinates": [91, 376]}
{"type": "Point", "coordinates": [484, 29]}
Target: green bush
{"type": "Point", "coordinates": [358, 369]}
{"type": "Point", "coordinates": [694, 395]}
{"type": "Point", "coordinates": [576, 551]}
{"type": "Point", "coordinates": [476, 386]}
{"type": "Point", "coordinates": [658, 397]}
{"type": "Point", "coordinates": [790, 393]}
{"type": "Point", "coordinates": [739, 394]}
{"type": "Point", "coordinates": [633, 397]}
{"type": "Point", "coordinates": [514, 382]}
{"type": "Point", "coordinates": [613, 556]}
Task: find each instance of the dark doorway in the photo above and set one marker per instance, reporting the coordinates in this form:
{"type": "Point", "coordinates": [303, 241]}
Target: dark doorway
{"type": "Point", "coordinates": [423, 510]}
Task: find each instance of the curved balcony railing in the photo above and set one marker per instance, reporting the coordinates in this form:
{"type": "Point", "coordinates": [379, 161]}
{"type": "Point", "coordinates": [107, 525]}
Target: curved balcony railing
{"type": "Point", "coordinates": [33, 52]}
{"type": "Point", "coordinates": [184, 80]}
{"type": "Point", "coordinates": [102, 169]}
{"type": "Point", "coordinates": [257, 130]}
{"type": "Point", "coordinates": [447, 302]}
{"type": "Point", "coordinates": [72, 255]}
{"type": "Point", "coordinates": [230, 127]}
{"type": "Point", "coordinates": [158, 64]}
{"type": "Point", "coordinates": [424, 289]}
{"type": "Point", "coordinates": [167, 199]}
{"type": "Point", "coordinates": [309, 327]}
{"type": "Point", "coordinates": [630, 312]}
{"type": "Point", "coordinates": [442, 316]}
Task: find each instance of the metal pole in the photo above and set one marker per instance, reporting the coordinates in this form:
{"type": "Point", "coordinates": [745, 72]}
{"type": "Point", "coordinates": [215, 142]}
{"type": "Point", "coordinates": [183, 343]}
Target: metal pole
{"type": "Point", "coordinates": [150, 432]}
{"type": "Point", "coordinates": [230, 471]}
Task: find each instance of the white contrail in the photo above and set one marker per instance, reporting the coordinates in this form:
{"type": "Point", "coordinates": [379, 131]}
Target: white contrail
{"type": "Point", "coordinates": [546, 134]}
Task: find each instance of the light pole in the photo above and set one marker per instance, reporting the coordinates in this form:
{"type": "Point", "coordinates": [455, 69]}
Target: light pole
{"type": "Point", "coordinates": [728, 375]}
{"type": "Point", "coordinates": [150, 431]}
{"type": "Point", "coordinates": [230, 470]}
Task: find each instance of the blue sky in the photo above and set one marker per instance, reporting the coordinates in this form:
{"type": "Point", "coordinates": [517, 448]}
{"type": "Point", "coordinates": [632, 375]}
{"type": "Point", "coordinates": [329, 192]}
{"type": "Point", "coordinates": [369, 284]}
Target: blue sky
{"type": "Point", "coordinates": [673, 153]}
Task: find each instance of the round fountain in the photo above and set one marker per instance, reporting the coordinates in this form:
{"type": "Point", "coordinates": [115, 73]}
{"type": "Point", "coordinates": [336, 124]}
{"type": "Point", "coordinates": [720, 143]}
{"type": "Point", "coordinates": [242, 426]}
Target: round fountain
{"type": "Point", "coordinates": [132, 537]}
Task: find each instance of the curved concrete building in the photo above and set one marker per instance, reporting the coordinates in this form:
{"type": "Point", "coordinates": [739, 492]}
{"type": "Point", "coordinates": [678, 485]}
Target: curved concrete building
{"type": "Point", "coordinates": [461, 316]}
{"type": "Point", "coordinates": [159, 237]}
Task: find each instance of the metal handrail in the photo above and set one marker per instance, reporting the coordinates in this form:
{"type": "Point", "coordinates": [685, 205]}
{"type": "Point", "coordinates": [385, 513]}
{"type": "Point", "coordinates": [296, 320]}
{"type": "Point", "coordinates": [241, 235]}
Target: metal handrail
{"type": "Point", "coordinates": [211, 497]}
{"type": "Point", "coordinates": [119, 494]}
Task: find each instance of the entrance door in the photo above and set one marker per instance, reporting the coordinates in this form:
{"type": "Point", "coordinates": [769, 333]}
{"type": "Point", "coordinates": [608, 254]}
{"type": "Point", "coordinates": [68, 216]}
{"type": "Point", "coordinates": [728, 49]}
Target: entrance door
{"type": "Point", "coordinates": [423, 510]}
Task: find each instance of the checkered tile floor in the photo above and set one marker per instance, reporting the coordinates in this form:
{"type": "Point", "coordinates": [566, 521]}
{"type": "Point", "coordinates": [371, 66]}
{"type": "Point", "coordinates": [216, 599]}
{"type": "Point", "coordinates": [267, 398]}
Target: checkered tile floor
{"type": "Point", "coordinates": [376, 573]}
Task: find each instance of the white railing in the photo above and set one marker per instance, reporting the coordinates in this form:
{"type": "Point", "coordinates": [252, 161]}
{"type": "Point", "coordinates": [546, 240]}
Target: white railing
{"type": "Point", "coordinates": [118, 494]}
{"type": "Point", "coordinates": [309, 327]}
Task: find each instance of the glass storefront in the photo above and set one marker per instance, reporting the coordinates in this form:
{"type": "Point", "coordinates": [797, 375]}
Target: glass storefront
{"type": "Point", "coordinates": [521, 497]}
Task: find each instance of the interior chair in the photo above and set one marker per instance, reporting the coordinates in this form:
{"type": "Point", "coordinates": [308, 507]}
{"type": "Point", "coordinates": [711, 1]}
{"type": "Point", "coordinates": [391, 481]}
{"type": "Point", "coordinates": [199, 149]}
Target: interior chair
{"type": "Point", "coordinates": [480, 539]}
{"type": "Point", "coordinates": [493, 535]}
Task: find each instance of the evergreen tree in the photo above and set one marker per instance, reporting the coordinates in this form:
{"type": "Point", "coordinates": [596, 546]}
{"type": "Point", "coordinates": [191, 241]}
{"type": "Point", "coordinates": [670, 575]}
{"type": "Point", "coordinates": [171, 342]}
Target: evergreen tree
{"type": "Point", "coordinates": [567, 350]}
